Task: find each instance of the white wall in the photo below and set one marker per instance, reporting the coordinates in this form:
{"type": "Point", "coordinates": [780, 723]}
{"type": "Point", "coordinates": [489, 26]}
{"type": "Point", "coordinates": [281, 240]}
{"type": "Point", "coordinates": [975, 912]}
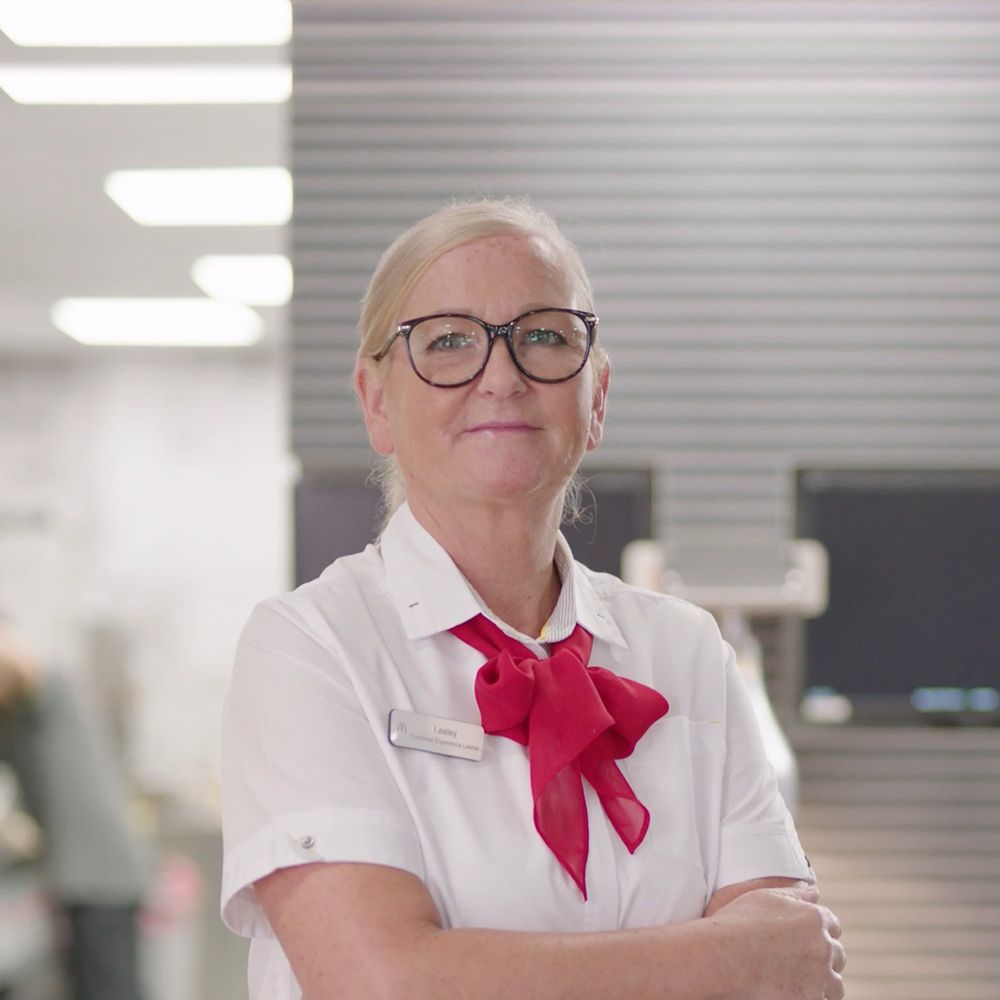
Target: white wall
{"type": "Point", "coordinates": [147, 494]}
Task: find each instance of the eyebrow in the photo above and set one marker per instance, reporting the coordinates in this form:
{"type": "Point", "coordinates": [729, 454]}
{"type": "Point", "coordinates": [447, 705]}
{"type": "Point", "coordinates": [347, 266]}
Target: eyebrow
{"type": "Point", "coordinates": [472, 312]}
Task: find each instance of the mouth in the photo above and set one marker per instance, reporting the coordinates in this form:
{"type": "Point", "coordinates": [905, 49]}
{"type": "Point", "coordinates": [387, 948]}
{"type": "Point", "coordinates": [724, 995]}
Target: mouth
{"type": "Point", "coordinates": [501, 427]}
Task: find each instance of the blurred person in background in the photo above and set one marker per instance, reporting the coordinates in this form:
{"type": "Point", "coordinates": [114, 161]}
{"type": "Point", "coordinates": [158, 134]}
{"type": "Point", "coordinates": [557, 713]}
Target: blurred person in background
{"type": "Point", "coordinates": [588, 839]}
{"type": "Point", "coordinates": [92, 864]}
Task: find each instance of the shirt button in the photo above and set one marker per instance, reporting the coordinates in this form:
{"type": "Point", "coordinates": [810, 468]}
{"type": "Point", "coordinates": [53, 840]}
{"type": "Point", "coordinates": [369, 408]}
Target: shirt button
{"type": "Point", "coordinates": [308, 843]}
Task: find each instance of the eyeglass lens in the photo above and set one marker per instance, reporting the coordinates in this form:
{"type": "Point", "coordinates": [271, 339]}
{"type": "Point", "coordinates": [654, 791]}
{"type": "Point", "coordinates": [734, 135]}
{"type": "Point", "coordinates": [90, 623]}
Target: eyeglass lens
{"type": "Point", "coordinates": [447, 350]}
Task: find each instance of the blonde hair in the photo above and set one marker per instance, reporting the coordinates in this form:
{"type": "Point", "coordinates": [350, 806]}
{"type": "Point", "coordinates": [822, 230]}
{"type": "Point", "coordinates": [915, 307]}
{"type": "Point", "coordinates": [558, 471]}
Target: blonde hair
{"type": "Point", "coordinates": [409, 256]}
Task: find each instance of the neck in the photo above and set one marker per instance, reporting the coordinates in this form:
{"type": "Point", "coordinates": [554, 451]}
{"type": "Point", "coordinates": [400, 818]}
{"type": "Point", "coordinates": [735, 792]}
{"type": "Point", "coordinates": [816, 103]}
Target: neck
{"type": "Point", "coordinates": [506, 552]}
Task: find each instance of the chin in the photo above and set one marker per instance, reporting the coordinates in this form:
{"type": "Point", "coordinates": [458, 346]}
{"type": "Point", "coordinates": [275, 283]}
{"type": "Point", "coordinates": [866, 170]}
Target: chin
{"type": "Point", "coordinates": [496, 484]}
{"type": "Point", "coordinates": [511, 475]}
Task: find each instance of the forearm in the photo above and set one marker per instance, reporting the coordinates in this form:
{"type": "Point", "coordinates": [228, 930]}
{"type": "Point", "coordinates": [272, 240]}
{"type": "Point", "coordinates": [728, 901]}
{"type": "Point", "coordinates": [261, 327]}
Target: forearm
{"type": "Point", "coordinates": [364, 932]}
{"type": "Point", "coordinates": [726, 895]}
{"type": "Point", "coordinates": [679, 962]}
{"type": "Point", "coordinates": [691, 961]}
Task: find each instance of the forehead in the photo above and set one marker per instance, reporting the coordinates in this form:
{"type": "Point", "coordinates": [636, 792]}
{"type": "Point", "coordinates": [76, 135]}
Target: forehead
{"type": "Point", "coordinates": [510, 271]}
{"type": "Point", "coordinates": [503, 249]}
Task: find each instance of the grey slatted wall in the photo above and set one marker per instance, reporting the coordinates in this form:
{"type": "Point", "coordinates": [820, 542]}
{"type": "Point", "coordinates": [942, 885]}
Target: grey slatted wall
{"type": "Point", "coordinates": [791, 212]}
{"type": "Point", "coordinates": [904, 830]}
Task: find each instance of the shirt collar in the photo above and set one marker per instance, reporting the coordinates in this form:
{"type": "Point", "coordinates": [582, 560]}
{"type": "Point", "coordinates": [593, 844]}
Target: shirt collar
{"type": "Point", "coordinates": [432, 596]}
{"type": "Point", "coordinates": [429, 591]}
{"type": "Point", "coordinates": [587, 606]}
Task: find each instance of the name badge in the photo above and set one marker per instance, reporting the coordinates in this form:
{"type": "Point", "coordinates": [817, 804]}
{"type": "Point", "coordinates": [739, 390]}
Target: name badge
{"type": "Point", "coordinates": [428, 732]}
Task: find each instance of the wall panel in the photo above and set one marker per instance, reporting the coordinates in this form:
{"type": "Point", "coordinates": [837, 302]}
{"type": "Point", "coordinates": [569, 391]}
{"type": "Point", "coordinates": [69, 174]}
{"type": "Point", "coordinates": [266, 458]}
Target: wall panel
{"type": "Point", "coordinates": [791, 212]}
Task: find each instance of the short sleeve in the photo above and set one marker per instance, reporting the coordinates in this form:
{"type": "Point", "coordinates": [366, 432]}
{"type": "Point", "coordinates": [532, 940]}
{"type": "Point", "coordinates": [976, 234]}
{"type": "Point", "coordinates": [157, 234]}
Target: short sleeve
{"type": "Point", "coordinates": [304, 778]}
{"type": "Point", "coordinates": [758, 837]}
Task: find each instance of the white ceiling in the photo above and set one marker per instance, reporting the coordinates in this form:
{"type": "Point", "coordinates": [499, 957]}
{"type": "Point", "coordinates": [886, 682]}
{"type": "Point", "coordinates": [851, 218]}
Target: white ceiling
{"type": "Point", "coordinates": [61, 235]}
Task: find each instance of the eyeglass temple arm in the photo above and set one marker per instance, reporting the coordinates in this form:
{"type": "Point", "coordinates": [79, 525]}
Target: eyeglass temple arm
{"type": "Point", "coordinates": [400, 330]}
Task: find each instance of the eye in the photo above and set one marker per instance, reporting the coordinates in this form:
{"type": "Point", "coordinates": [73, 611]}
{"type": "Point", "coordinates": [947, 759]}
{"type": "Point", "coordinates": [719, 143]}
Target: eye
{"type": "Point", "coordinates": [542, 337]}
{"type": "Point", "coordinates": [447, 342]}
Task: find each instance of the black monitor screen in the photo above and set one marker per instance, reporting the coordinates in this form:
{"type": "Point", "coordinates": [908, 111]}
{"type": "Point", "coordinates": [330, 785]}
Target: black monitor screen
{"type": "Point", "coordinates": [617, 509]}
{"type": "Point", "coordinates": [914, 580]}
{"type": "Point", "coordinates": [335, 515]}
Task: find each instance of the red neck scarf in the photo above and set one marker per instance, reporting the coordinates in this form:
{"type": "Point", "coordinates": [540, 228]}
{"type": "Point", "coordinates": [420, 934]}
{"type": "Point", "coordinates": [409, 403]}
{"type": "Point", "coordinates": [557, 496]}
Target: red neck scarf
{"type": "Point", "coordinates": [576, 721]}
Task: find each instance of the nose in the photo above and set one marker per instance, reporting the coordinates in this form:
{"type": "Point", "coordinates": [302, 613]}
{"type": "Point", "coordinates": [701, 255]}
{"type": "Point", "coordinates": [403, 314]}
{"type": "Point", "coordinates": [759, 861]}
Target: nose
{"type": "Point", "coordinates": [501, 377]}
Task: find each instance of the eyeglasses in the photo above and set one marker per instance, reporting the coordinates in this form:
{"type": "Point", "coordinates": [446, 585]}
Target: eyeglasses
{"type": "Point", "coordinates": [451, 349]}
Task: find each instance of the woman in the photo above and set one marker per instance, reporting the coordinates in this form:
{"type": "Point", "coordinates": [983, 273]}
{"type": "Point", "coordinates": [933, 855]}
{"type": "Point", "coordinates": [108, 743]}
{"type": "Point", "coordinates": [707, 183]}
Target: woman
{"type": "Point", "coordinates": [595, 841]}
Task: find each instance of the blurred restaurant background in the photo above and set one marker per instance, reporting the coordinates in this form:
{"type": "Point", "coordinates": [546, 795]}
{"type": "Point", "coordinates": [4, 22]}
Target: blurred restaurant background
{"type": "Point", "coordinates": [791, 214]}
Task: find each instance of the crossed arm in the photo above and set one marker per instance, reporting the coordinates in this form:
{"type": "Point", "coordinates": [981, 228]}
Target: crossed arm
{"type": "Point", "coordinates": [368, 932]}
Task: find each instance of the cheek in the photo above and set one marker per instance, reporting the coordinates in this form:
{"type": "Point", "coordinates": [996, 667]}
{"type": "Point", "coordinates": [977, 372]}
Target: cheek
{"type": "Point", "coordinates": [575, 420]}
{"type": "Point", "coordinates": [420, 418]}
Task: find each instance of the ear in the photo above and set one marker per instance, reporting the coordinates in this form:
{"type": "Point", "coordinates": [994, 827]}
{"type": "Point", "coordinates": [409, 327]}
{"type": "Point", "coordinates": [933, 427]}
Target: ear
{"type": "Point", "coordinates": [599, 407]}
{"type": "Point", "coordinates": [369, 385]}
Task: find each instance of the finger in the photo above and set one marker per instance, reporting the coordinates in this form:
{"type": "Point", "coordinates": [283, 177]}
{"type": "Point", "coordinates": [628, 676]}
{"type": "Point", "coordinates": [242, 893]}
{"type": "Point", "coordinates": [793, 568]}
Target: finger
{"type": "Point", "coordinates": [833, 925]}
{"type": "Point", "coordinates": [804, 890]}
{"type": "Point", "coordinates": [839, 962]}
{"type": "Point", "coordinates": [834, 989]}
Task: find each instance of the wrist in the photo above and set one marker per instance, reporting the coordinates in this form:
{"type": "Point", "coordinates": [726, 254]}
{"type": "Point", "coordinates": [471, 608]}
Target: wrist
{"type": "Point", "coordinates": [735, 950]}
{"type": "Point", "coordinates": [706, 954]}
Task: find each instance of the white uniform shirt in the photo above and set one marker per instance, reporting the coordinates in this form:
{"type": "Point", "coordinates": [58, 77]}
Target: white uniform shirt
{"type": "Point", "coordinates": [308, 773]}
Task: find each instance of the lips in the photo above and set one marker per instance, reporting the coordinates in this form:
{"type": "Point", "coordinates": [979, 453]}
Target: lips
{"type": "Point", "coordinates": [501, 426]}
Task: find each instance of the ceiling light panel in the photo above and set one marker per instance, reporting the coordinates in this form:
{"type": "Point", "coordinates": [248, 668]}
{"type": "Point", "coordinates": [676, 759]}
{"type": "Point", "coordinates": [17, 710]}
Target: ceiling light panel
{"type": "Point", "coordinates": [147, 84]}
{"type": "Point", "coordinates": [158, 322]}
{"type": "Point", "coordinates": [255, 279]}
{"type": "Point", "coordinates": [147, 23]}
{"type": "Point", "coordinates": [239, 196]}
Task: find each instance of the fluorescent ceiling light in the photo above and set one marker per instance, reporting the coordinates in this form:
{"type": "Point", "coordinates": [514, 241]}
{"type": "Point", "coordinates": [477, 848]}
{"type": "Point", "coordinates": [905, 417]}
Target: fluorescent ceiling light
{"type": "Point", "coordinates": [147, 84]}
{"type": "Point", "coordinates": [255, 279]}
{"type": "Point", "coordinates": [146, 22]}
{"type": "Point", "coordinates": [158, 322]}
{"type": "Point", "coordinates": [239, 196]}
